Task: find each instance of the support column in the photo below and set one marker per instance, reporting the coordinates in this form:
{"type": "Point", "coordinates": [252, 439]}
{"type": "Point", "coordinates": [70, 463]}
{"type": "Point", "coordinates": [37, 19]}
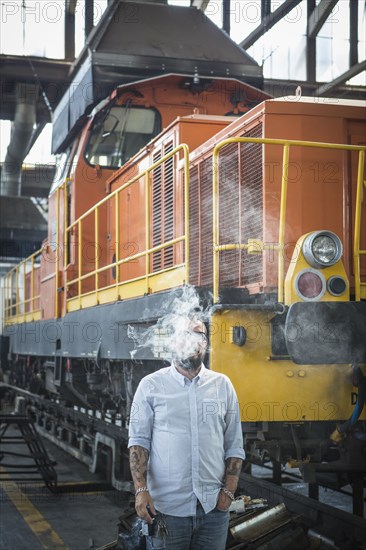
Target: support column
{"type": "Point", "coordinates": [310, 46]}
{"type": "Point", "coordinates": [70, 29]}
{"type": "Point", "coordinates": [226, 16]}
{"type": "Point", "coordinates": [89, 17]}
{"type": "Point", "coordinates": [265, 8]}
{"type": "Point", "coordinates": [353, 33]}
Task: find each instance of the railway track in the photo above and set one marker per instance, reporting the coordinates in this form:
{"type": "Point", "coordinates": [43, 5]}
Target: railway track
{"type": "Point", "coordinates": [99, 440]}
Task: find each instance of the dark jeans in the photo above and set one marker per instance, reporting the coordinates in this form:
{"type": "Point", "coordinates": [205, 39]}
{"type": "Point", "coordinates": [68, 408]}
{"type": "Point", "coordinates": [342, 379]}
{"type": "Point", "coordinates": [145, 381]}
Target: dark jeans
{"type": "Point", "coordinates": [199, 532]}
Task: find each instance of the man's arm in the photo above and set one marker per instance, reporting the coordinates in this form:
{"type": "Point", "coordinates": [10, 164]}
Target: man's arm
{"type": "Point", "coordinates": [234, 452]}
{"type": "Point", "coordinates": [138, 465]}
{"type": "Point", "coordinates": [232, 473]}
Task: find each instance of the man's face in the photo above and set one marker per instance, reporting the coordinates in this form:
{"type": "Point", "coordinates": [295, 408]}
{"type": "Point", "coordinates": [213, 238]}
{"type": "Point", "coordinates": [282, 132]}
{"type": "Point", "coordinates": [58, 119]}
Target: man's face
{"type": "Point", "coordinates": [192, 345]}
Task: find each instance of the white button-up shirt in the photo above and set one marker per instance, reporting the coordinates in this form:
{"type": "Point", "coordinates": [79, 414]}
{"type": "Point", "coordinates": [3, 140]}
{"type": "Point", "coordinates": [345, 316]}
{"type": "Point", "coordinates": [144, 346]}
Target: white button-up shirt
{"type": "Point", "coordinates": [190, 428]}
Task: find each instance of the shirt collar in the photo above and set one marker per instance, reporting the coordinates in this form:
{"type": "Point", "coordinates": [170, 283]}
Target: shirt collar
{"type": "Point", "coordinates": [181, 379]}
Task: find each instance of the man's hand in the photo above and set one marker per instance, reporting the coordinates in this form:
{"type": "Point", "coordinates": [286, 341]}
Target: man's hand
{"type": "Point", "coordinates": [139, 457]}
{"type": "Point", "coordinates": [143, 501]}
{"type": "Point", "coordinates": [223, 502]}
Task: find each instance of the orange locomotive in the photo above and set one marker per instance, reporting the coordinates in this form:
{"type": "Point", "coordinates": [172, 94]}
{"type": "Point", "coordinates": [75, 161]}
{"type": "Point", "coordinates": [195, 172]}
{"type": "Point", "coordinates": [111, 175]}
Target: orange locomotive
{"type": "Point", "coordinates": [256, 203]}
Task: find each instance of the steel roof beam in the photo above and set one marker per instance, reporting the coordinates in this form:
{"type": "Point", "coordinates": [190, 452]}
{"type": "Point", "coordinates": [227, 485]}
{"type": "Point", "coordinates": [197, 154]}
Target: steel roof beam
{"type": "Point", "coordinates": [18, 67]}
{"type": "Point", "coordinates": [285, 88]}
{"type": "Point", "coordinates": [70, 6]}
{"type": "Point", "coordinates": [310, 45]}
{"type": "Point", "coordinates": [331, 86]}
{"type": "Point", "coordinates": [89, 17]}
{"type": "Point", "coordinates": [319, 16]}
{"type": "Point", "coordinates": [36, 179]}
{"type": "Point", "coordinates": [226, 16]}
{"type": "Point", "coordinates": [353, 33]}
{"type": "Point", "coordinates": [268, 22]}
{"type": "Point", "coordinates": [265, 8]}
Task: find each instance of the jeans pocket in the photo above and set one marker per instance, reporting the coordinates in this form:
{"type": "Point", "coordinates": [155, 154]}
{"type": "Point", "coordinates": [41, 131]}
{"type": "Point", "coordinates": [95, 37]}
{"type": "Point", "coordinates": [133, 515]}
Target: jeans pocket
{"type": "Point", "coordinates": [155, 543]}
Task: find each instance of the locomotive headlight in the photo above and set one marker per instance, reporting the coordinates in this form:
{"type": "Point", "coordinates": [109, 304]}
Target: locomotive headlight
{"type": "Point", "coordinates": [322, 249]}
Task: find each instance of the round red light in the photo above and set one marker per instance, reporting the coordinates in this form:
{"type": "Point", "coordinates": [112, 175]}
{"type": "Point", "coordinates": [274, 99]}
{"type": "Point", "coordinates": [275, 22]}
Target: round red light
{"type": "Point", "coordinates": [310, 285]}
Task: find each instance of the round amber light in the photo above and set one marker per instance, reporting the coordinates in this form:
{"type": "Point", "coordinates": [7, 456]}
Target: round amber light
{"type": "Point", "coordinates": [310, 284]}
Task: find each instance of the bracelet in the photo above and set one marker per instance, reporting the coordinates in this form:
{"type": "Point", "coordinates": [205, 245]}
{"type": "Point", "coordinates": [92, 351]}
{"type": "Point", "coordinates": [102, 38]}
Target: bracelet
{"type": "Point", "coordinates": [228, 493]}
{"type": "Point", "coordinates": [141, 490]}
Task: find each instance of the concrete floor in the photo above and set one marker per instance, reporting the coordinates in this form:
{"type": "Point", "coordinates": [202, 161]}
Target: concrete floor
{"type": "Point", "coordinates": [32, 518]}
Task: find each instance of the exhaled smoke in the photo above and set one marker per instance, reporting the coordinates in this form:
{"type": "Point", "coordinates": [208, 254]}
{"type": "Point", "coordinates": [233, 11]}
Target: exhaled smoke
{"type": "Point", "coordinates": [170, 337]}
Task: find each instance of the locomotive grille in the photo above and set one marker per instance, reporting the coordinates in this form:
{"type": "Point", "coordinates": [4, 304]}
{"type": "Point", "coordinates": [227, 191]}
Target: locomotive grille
{"type": "Point", "coordinates": [251, 175]}
{"type": "Point", "coordinates": [156, 218]}
{"type": "Point", "coordinates": [241, 214]}
{"type": "Point", "coordinates": [201, 223]}
{"type": "Point", "coordinates": [194, 228]}
{"type": "Point", "coordinates": [162, 217]}
{"type": "Point", "coordinates": [229, 213]}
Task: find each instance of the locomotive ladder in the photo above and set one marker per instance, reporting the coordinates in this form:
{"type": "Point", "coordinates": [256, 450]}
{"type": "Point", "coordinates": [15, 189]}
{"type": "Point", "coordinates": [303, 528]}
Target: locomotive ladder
{"type": "Point", "coordinates": [41, 464]}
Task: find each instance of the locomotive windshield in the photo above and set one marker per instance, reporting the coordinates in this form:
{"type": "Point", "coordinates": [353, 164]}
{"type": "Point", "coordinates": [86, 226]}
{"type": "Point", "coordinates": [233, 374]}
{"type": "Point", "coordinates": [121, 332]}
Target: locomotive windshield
{"type": "Point", "coordinates": [116, 135]}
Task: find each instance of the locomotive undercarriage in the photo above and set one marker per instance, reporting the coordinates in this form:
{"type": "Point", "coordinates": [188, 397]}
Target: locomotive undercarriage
{"type": "Point", "coordinates": [308, 446]}
{"type": "Point", "coordinates": [108, 386]}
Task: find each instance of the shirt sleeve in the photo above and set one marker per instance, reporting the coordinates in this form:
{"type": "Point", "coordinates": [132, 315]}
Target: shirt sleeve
{"type": "Point", "coordinates": [141, 418]}
{"type": "Point", "coordinates": [233, 436]}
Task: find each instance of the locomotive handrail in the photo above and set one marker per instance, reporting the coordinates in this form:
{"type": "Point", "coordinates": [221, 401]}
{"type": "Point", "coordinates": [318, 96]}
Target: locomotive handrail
{"type": "Point", "coordinates": [148, 250]}
{"type": "Point", "coordinates": [57, 247]}
{"type": "Point", "coordinates": [356, 243]}
{"type": "Point", "coordinates": [8, 290]}
{"type": "Point", "coordinates": [217, 248]}
{"type": "Point", "coordinates": [13, 308]}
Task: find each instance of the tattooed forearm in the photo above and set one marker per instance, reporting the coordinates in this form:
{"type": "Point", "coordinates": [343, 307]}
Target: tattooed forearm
{"type": "Point", "coordinates": [233, 466]}
{"type": "Point", "coordinates": [232, 473]}
{"type": "Point", "coordinates": [138, 465]}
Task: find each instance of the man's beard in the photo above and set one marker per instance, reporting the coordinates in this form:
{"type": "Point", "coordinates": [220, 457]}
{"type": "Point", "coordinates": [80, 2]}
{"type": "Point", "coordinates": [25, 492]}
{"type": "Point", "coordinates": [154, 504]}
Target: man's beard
{"type": "Point", "coordinates": [191, 363]}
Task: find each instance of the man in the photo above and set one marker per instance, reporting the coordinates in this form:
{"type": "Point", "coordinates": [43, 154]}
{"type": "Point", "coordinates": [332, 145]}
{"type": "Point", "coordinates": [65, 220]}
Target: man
{"type": "Point", "coordinates": [186, 446]}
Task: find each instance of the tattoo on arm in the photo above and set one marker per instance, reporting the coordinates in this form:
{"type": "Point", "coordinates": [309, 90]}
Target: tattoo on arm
{"type": "Point", "coordinates": [138, 465]}
{"type": "Point", "coordinates": [232, 473]}
{"type": "Point", "coordinates": [233, 466]}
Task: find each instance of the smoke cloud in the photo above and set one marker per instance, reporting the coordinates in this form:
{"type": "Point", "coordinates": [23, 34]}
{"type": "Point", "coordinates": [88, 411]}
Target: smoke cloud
{"type": "Point", "coordinates": [170, 337]}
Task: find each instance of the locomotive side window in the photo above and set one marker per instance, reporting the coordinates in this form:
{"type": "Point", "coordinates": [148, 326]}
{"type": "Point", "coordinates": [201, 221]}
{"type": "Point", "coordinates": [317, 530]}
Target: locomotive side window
{"type": "Point", "coordinates": [119, 133]}
{"type": "Point", "coordinates": [63, 166]}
